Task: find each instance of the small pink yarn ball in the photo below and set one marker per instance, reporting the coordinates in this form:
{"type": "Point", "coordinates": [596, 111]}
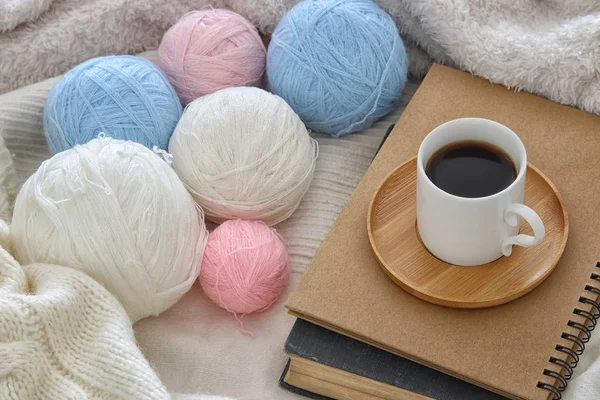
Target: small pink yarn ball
{"type": "Point", "coordinates": [210, 50]}
{"type": "Point", "coordinates": [245, 266]}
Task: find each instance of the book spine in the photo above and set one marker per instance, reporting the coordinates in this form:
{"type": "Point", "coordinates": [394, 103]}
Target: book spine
{"type": "Point", "coordinates": [578, 341]}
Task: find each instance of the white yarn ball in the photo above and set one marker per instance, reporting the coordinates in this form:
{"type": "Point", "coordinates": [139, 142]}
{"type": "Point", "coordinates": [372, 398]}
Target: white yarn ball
{"type": "Point", "coordinates": [117, 211]}
{"type": "Point", "coordinates": [244, 153]}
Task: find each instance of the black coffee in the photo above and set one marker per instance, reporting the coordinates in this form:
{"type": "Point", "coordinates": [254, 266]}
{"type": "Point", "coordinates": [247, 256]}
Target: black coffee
{"type": "Point", "coordinates": [471, 169]}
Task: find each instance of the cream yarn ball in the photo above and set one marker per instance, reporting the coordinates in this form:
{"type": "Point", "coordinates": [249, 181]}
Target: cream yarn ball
{"type": "Point", "coordinates": [243, 153]}
{"type": "Point", "coordinates": [117, 211]}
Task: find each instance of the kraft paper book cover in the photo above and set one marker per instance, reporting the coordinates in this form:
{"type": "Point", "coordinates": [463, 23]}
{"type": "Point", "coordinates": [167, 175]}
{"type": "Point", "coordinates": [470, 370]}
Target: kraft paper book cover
{"type": "Point", "coordinates": [512, 348]}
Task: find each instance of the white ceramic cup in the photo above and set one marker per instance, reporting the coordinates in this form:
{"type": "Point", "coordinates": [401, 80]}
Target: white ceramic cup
{"type": "Point", "coordinates": [474, 231]}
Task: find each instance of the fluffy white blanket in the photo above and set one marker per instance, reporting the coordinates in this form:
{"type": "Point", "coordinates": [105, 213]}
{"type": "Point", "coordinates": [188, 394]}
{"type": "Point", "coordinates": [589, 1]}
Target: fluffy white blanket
{"type": "Point", "coordinates": [551, 48]}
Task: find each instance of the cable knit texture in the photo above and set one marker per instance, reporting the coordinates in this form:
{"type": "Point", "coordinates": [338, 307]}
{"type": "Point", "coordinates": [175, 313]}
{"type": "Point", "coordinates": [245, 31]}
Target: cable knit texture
{"type": "Point", "coordinates": [64, 336]}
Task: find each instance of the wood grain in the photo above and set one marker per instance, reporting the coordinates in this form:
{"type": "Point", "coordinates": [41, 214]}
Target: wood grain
{"type": "Point", "coordinates": [391, 224]}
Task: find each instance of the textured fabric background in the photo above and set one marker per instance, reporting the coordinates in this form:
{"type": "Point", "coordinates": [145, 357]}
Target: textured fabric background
{"type": "Point", "coordinates": [44, 38]}
{"type": "Point", "coordinates": [550, 48]}
{"type": "Point", "coordinates": [195, 347]}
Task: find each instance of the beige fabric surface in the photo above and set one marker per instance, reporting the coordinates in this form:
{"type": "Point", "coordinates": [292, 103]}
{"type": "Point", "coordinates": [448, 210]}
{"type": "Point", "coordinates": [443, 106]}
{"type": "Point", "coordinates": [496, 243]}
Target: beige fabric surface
{"type": "Point", "coordinates": [196, 347]}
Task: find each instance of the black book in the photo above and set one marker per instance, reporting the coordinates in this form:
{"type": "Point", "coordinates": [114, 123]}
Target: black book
{"type": "Point", "coordinates": [325, 364]}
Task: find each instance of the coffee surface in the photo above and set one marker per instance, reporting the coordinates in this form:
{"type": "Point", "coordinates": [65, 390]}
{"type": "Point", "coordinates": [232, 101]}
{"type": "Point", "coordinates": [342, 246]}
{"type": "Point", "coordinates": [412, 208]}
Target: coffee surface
{"type": "Point", "coordinates": [471, 169]}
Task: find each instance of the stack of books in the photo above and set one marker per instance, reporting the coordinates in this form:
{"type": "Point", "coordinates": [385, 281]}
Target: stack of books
{"type": "Point", "coordinates": [360, 336]}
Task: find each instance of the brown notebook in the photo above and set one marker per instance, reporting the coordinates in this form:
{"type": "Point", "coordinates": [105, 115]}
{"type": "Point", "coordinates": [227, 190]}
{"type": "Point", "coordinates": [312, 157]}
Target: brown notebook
{"type": "Point", "coordinates": [519, 349]}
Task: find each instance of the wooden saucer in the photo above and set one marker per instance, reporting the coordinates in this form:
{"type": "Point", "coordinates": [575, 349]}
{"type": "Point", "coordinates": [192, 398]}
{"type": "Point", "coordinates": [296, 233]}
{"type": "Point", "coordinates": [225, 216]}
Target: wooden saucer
{"type": "Point", "coordinates": [391, 224]}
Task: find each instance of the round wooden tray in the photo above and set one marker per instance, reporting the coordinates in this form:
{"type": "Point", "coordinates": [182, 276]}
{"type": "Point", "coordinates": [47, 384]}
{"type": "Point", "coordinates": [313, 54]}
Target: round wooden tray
{"type": "Point", "coordinates": [392, 229]}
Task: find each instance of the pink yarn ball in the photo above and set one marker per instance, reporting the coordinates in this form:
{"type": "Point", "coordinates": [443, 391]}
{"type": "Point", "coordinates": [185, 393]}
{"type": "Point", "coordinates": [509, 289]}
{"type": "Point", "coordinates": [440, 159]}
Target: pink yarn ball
{"type": "Point", "coordinates": [245, 266]}
{"type": "Point", "coordinates": [210, 50]}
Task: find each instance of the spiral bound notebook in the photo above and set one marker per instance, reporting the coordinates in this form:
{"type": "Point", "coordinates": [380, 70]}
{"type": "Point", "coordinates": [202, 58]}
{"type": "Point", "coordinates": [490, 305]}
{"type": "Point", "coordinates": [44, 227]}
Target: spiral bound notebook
{"type": "Point", "coordinates": [525, 349]}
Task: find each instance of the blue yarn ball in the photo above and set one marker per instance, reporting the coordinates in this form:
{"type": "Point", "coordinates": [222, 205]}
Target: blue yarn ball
{"type": "Point", "coordinates": [125, 97]}
{"type": "Point", "coordinates": [340, 64]}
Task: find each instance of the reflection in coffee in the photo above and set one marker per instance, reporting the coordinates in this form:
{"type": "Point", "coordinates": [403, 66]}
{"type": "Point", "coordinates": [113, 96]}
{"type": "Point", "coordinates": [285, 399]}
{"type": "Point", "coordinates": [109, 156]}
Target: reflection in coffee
{"type": "Point", "coordinates": [471, 169]}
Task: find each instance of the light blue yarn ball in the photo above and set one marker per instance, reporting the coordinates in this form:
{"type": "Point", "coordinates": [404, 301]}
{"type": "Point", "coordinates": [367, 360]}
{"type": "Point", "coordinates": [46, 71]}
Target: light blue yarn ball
{"type": "Point", "coordinates": [125, 97]}
{"type": "Point", "coordinates": [340, 64]}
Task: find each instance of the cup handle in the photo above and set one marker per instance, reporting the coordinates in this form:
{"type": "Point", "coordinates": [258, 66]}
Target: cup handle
{"type": "Point", "coordinates": [511, 218]}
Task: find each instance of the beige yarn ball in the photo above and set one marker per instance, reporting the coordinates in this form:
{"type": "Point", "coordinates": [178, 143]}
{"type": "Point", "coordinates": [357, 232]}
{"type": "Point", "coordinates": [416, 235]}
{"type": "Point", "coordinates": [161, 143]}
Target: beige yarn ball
{"type": "Point", "coordinates": [118, 212]}
{"type": "Point", "coordinates": [243, 153]}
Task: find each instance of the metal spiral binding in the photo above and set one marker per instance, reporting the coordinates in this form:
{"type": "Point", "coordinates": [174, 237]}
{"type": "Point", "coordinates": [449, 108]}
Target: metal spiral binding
{"type": "Point", "coordinates": [572, 353]}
